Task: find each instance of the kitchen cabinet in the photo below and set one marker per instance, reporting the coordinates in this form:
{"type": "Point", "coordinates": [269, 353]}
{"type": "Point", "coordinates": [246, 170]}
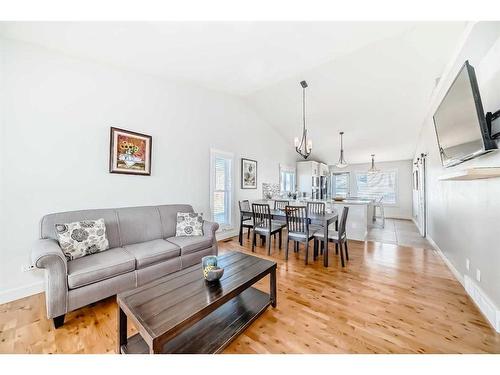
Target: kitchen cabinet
{"type": "Point", "coordinates": [308, 177]}
{"type": "Point", "coordinates": [314, 168]}
{"type": "Point", "coordinates": [323, 169]}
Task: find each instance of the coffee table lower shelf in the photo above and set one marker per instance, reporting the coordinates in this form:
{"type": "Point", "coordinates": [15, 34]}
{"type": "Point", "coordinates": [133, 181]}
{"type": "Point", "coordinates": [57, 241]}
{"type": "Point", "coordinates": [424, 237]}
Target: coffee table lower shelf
{"type": "Point", "coordinates": [214, 332]}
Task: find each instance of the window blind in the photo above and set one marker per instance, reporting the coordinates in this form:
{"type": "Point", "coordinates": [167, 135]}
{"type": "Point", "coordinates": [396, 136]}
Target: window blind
{"type": "Point", "coordinates": [376, 185]}
{"type": "Point", "coordinates": [222, 191]}
{"type": "Point", "coordinates": [340, 184]}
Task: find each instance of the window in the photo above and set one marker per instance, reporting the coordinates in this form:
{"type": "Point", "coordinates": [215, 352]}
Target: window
{"type": "Point", "coordinates": [287, 179]}
{"type": "Point", "coordinates": [376, 185]}
{"type": "Point", "coordinates": [340, 184]}
{"type": "Point", "coordinates": [221, 188]}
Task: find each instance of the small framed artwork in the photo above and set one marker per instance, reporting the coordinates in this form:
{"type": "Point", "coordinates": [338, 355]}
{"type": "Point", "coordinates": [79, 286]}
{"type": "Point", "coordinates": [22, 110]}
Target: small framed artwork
{"type": "Point", "coordinates": [129, 152]}
{"type": "Point", "coordinates": [248, 174]}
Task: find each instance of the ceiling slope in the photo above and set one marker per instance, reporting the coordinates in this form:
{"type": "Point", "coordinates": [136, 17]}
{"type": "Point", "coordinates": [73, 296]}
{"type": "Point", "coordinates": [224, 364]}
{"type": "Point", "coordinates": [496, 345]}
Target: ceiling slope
{"type": "Point", "coordinates": [378, 95]}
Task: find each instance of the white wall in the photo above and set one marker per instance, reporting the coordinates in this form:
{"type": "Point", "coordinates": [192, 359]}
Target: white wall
{"type": "Point", "coordinates": [58, 111]}
{"type": "Point", "coordinates": [403, 208]}
{"type": "Point", "coordinates": [463, 216]}
{"type": "Point", "coordinates": [1, 134]}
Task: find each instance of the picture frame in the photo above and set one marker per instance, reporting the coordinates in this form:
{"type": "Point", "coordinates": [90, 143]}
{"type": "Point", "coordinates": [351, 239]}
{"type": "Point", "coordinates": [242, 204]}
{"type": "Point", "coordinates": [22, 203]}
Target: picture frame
{"type": "Point", "coordinates": [248, 174]}
{"type": "Point", "coordinates": [129, 152]}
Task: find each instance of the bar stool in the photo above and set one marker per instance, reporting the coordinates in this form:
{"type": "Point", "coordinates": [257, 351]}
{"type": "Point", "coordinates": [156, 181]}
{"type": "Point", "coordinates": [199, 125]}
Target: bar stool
{"type": "Point", "coordinates": [378, 204]}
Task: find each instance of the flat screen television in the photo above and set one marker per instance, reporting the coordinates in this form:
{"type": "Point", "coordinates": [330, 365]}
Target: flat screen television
{"type": "Point", "coordinates": [460, 123]}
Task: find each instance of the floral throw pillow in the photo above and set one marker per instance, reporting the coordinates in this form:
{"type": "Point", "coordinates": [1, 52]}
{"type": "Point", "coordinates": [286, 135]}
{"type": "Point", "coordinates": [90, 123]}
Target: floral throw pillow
{"type": "Point", "coordinates": [82, 238]}
{"type": "Point", "coordinates": [189, 224]}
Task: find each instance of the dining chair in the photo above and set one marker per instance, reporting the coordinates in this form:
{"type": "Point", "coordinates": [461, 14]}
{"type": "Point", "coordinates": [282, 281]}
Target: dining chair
{"type": "Point", "coordinates": [246, 220]}
{"type": "Point", "coordinates": [316, 208]}
{"type": "Point", "coordinates": [264, 226]}
{"type": "Point", "coordinates": [339, 238]}
{"type": "Point", "coordinates": [297, 224]}
{"type": "Point", "coordinates": [280, 204]}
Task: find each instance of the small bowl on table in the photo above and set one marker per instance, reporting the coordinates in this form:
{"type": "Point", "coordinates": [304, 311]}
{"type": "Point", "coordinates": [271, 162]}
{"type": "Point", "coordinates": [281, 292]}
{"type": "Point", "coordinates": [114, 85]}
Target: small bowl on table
{"type": "Point", "coordinates": [338, 199]}
{"type": "Point", "coordinates": [211, 272]}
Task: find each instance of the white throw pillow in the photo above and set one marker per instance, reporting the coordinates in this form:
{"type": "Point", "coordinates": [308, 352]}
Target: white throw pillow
{"type": "Point", "coordinates": [189, 224]}
{"type": "Point", "coordinates": [82, 238]}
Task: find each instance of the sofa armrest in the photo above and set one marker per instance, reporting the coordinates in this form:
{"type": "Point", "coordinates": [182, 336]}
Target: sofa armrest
{"type": "Point", "coordinates": [47, 252]}
{"type": "Point", "coordinates": [48, 255]}
{"type": "Point", "coordinates": [209, 228]}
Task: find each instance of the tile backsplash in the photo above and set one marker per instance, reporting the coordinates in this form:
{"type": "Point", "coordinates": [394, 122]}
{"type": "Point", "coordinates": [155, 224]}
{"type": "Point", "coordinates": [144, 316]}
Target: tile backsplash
{"type": "Point", "coordinates": [270, 191]}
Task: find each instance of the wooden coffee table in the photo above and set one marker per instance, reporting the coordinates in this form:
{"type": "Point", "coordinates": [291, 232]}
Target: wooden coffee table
{"type": "Point", "coordinates": [182, 313]}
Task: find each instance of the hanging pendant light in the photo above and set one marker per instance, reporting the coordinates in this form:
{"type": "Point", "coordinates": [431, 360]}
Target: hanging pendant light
{"type": "Point", "coordinates": [342, 163]}
{"type": "Point", "coordinates": [372, 168]}
{"type": "Point", "coordinates": [304, 146]}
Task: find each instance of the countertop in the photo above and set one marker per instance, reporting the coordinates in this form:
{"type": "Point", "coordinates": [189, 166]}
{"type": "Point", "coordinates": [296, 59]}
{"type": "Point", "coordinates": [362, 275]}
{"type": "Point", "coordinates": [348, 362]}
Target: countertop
{"type": "Point", "coordinates": [345, 202]}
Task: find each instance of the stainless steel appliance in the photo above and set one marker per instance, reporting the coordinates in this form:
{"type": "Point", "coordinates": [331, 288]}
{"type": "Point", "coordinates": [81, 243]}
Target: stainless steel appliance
{"type": "Point", "coordinates": [323, 187]}
{"type": "Point", "coordinates": [315, 188]}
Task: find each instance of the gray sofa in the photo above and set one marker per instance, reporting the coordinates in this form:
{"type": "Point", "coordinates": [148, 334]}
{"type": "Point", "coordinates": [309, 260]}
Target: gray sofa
{"type": "Point", "coordinates": [142, 247]}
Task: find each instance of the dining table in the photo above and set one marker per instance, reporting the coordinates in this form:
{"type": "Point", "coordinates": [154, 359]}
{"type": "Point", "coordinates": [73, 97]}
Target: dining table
{"type": "Point", "coordinates": [324, 220]}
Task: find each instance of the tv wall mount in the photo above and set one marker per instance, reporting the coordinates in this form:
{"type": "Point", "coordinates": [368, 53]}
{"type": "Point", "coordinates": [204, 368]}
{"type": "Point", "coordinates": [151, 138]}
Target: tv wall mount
{"type": "Point", "coordinates": [493, 123]}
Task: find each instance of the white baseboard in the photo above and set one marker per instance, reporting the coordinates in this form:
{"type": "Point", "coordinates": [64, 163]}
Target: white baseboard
{"type": "Point", "coordinates": [452, 268]}
{"type": "Point", "coordinates": [485, 305]}
{"type": "Point", "coordinates": [224, 235]}
{"type": "Point", "coordinates": [21, 292]}
{"type": "Point", "coordinates": [398, 217]}
{"type": "Point", "coordinates": [483, 302]}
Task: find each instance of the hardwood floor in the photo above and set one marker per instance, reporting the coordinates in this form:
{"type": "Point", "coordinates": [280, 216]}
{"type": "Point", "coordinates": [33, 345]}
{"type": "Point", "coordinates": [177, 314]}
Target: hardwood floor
{"type": "Point", "coordinates": [389, 299]}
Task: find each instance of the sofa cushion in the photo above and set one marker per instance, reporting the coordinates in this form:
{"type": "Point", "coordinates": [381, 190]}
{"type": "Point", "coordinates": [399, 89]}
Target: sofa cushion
{"type": "Point", "coordinates": [82, 238]}
{"type": "Point", "coordinates": [99, 266]}
{"type": "Point", "coordinates": [191, 244]}
{"type": "Point", "coordinates": [48, 228]}
{"type": "Point", "coordinates": [151, 252]}
{"type": "Point", "coordinates": [189, 224]}
{"type": "Point", "coordinates": [139, 224]}
{"type": "Point", "coordinates": [168, 215]}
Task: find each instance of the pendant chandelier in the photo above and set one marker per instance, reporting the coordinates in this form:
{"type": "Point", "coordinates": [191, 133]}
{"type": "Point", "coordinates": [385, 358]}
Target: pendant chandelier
{"type": "Point", "coordinates": [341, 163]}
{"type": "Point", "coordinates": [304, 146]}
{"type": "Point", "coordinates": [372, 168]}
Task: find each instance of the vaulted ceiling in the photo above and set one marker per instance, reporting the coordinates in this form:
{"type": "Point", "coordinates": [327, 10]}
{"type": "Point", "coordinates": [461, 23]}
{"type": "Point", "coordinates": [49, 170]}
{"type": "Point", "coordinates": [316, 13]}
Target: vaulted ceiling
{"type": "Point", "coordinates": [378, 94]}
{"type": "Point", "coordinates": [373, 80]}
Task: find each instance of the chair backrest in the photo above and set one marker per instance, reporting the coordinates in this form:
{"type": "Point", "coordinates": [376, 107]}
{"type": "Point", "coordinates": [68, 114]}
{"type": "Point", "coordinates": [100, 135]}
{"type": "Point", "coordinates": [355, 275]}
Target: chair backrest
{"type": "Point", "coordinates": [343, 221]}
{"type": "Point", "coordinates": [316, 207]}
{"type": "Point", "coordinates": [280, 204]}
{"type": "Point", "coordinates": [296, 219]}
{"type": "Point", "coordinates": [245, 206]}
{"type": "Point", "coordinates": [261, 215]}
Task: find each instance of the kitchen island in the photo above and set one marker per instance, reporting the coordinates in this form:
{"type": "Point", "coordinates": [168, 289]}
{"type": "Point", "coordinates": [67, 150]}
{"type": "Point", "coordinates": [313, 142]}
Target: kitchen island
{"type": "Point", "coordinates": [358, 220]}
{"type": "Point", "coordinates": [359, 217]}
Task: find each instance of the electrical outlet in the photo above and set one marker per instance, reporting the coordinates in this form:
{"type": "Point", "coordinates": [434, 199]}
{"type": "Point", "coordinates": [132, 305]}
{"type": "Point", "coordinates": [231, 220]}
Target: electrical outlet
{"type": "Point", "coordinates": [478, 275]}
{"type": "Point", "coordinates": [467, 264]}
{"type": "Point", "coordinates": [27, 267]}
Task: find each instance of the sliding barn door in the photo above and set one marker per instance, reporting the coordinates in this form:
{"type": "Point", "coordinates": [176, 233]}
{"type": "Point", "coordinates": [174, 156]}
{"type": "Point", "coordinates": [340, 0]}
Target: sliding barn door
{"type": "Point", "coordinates": [419, 196]}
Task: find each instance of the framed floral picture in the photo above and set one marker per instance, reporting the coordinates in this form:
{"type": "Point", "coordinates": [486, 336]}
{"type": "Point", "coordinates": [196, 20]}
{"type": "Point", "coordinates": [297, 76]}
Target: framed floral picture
{"type": "Point", "coordinates": [248, 174]}
{"type": "Point", "coordinates": [130, 152]}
